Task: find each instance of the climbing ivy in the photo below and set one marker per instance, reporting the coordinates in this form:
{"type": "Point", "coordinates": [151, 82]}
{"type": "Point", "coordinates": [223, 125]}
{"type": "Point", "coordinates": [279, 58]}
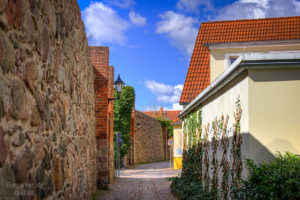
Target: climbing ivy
{"type": "Point", "coordinates": [236, 167]}
{"type": "Point", "coordinates": [122, 116]}
{"type": "Point", "coordinates": [166, 124]}
{"type": "Point", "coordinates": [192, 128]}
{"type": "Point", "coordinates": [200, 159]}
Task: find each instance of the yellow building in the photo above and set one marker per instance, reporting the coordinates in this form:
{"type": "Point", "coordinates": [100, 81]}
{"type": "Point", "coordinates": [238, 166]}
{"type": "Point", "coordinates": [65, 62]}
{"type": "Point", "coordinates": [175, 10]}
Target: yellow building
{"type": "Point", "coordinates": [178, 144]}
{"type": "Point", "coordinates": [255, 61]}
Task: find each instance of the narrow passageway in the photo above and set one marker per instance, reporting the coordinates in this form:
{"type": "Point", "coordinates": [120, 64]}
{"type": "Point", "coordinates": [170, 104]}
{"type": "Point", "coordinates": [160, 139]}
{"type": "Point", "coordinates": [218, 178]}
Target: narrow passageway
{"type": "Point", "coordinates": [144, 182]}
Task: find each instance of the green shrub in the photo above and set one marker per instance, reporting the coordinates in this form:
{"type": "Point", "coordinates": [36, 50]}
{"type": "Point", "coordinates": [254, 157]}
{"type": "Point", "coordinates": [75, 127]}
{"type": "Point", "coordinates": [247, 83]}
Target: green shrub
{"type": "Point", "coordinates": [277, 179]}
{"type": "Point", "coordinates": [189, 185]}
{"type": "Point", "coordinates": [185, 189]}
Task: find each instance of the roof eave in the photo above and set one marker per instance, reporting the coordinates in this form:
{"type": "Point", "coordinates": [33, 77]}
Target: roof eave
{"type": "Point", "coordinates": [251, 43]}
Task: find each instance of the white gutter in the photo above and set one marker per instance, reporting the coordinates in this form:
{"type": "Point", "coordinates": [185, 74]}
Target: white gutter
{"type": "Point", "coordinates": [241, 63]}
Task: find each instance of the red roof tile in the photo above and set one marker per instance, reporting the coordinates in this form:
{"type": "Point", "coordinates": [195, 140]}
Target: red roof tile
{"type": "Point", "coordinates": [169, 114]}
{"type": "Point", "coordinates": [268, 29]}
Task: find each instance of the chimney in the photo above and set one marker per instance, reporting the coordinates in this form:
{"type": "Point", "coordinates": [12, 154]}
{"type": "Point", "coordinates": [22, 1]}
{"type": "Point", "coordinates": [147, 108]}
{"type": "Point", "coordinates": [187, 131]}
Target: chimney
{"type": "Point", "coordinates": [161, 111]}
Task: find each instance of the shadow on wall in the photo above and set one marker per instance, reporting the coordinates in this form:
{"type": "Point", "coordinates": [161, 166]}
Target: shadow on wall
{"type": "Point", "coordinates": [264, 75]}
{"type": "Point", "coordinates": [256, 150]}
{"type": "Point", "coordinates": [250, 149]}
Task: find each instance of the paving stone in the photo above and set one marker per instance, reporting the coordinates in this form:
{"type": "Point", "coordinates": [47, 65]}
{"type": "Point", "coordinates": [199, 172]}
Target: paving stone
{"type": "Point", "coordinates": [1, 50]}
{"type": "Point", "coordinates": [8, 55]}
{"type": "Point", "coordinates": [20, 106]}
{"type": "Point", "coordinates": [41, 101]}
{"type": "Point", "coordinates": [35, 117]}
{"type": "Point", "coordinates": [3, 149]}
{"type": "Point", "coordinates": [22, 164]}
{"type": "Point", "coordinates": [3, 4]}
{"type": "Point", "coordinates": [2, 111]}
{"type": "Point", "coordinates": [45, 44]}
{"type": "Point", "coordinates": [39, 151]}
{"type": "Point", "coordinates": [147, 182]}
{"type": "Point", "coordinates": [14, 13]}
{"type": "Point", "coordinates": [7, 183]}
{"type": "Point", "coordinates": [19, 140]}
{"type": "Point", "coordinates": [31, 75]}
{"type": "Point", "coordinates": [58, 174]}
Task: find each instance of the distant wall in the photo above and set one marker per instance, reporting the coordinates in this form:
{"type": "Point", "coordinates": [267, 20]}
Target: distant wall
{"type": "Point", "coordinates": [148, 140]}
{"type": "Point", "coordinates": [47, 121]}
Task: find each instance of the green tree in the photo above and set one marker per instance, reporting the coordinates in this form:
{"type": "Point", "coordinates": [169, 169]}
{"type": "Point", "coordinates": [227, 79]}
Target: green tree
{"type": "Point", "coordinates": [122, 116]}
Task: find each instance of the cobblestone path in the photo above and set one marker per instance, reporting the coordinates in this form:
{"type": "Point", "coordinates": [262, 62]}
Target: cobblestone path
{"type": "Point", "coordinates": [144, 182]}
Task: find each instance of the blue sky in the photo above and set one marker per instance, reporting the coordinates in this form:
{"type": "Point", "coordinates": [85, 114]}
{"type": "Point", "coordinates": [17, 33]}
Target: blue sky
{"type": "Point", "coordinates": [151, 42]}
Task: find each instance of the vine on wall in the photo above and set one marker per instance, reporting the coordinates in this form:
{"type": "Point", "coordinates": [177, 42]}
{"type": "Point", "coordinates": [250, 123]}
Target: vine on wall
{"type": "Point", "coordinates": [214, 139]}
{"type": "Point", "coordinates": [236, 150]}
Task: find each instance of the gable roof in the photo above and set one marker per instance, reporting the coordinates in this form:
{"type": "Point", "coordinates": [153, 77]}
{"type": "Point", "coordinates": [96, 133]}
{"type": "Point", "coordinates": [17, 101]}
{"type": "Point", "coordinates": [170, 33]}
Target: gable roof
{"type": "Point", "coordinates": [251, 30]}
{"type": "Point", "coordinates": [171, 115]}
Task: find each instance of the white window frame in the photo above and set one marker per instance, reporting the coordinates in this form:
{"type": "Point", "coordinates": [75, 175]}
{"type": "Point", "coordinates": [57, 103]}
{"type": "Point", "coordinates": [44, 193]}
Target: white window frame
{"type": "Point", "coordinates": [228, 56]}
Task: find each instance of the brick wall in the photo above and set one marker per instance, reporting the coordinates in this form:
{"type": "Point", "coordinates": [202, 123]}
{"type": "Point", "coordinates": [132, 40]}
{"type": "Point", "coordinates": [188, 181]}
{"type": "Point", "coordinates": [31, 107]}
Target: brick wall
{"type": "Point", "coordinates": [104, 89]}
{"type": "Point", "coordinates": [47, 121]}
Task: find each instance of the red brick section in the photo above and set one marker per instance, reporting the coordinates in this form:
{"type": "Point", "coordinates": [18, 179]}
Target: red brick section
{"type": "Point", "coordinates": [253, 30]}
{"type": "Point", "coordinates": [104, 88]}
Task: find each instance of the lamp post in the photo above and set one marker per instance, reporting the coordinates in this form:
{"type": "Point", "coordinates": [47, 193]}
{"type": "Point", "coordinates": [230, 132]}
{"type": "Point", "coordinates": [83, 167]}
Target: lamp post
{"type": "Point", "coordinates": [118, 86]}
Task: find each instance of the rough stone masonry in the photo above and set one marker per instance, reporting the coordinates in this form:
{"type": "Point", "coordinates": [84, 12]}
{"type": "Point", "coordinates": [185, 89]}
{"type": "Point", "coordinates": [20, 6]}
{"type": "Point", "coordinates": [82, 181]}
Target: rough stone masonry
{"type": "Point", "coordinates": [47, 117]}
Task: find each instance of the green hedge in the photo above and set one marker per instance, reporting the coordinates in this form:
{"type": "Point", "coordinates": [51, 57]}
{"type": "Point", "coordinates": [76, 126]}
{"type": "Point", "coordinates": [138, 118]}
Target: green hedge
{"type": "Point", "coordinates": [189, 185]}
{"type": "Point", "coordinates": [277, 179]}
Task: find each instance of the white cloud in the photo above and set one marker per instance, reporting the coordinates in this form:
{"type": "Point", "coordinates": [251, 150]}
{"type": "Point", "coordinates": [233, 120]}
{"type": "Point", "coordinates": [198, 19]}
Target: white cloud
{"type": "Point", "coordinates": [175, 106]}
{"type": "Point", "coordinates": [249, 9]}
{"type": "Point", "coordinates": [180, 30]}
{"type": "Point", "coordinates": [193, 5]}
{"type": "Point", "coordinates": [137, 19]}
{"type": "Point", "coordinates": [165, 93]}
{"type": "Point", "coordinates": [103, 24]}
{"type": "Point", "coordinates": [121, 3]}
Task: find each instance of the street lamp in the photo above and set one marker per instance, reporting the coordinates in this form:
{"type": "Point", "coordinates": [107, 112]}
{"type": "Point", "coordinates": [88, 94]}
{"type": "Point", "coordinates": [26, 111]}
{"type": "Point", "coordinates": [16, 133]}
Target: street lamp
{"type": "Point", "coordinates": [118, 86]}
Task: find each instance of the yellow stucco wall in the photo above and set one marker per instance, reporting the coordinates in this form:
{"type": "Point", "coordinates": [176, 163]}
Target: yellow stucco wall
{"type": "Point", "coordinates": [177, 147]}
{"type": "Point", "coordinates": [177, 163]}
{"type": "Point", "coordinates": [178, 137]}
{"type": "Point", "coordinates": [274, 111]}
{"type": "Point", "coordinates": [224, 104]}
{"type": "Point", "coordinates": [217, 56]}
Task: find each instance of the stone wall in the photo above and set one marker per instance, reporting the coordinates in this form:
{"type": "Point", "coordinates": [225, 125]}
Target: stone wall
{"type": "Point", "coordinates": [148, 139]}
{"type": "Point", "coordinates": [104, 112]}
{"type": "Point", "coordinates": [47, 121]}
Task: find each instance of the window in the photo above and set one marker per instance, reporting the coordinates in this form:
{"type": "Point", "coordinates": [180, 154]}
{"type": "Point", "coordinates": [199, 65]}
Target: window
{"type": "Point", "coordinates": [230, 58]}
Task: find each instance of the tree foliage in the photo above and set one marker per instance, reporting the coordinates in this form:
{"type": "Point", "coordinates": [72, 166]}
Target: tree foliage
{"type": "Point", "coordinates": [122, 116]}
{"type": "Point", "coordinates": [166, 123]}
